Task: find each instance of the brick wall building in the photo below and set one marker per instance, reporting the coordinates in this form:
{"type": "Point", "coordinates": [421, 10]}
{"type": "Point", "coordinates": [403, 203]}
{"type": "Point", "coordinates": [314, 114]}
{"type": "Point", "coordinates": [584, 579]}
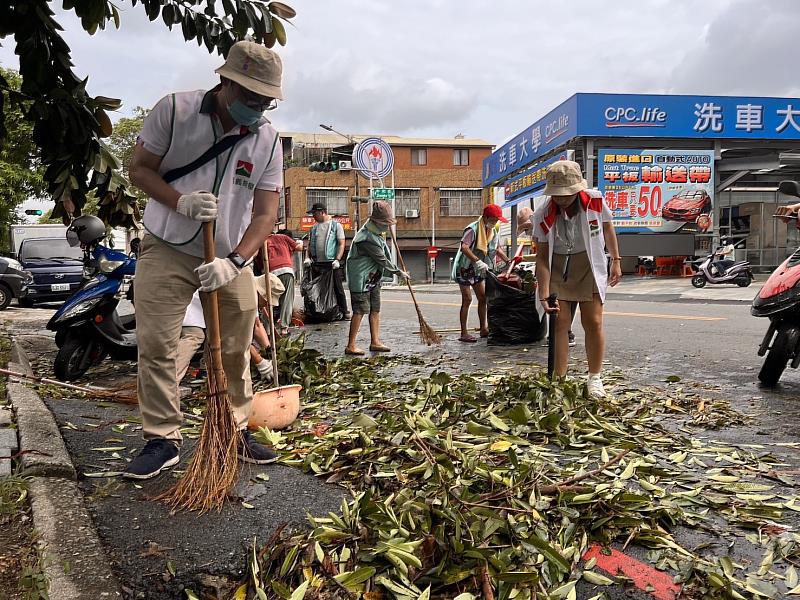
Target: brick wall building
{"type": "Point", "coordinates": [437, 190]}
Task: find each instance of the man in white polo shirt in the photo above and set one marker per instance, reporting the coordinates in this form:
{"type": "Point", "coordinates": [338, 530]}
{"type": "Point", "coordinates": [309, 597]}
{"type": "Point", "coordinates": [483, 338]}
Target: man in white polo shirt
{"type": "Point", "coordinates": [204, 156]}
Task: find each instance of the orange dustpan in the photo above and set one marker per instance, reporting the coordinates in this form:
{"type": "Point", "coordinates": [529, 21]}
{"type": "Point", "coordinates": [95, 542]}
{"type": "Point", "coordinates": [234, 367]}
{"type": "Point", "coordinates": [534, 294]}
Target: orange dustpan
{"type": "Point", "coordinates": [277, 407]}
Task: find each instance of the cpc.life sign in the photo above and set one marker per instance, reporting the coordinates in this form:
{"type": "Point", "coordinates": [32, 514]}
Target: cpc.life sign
{"type": "Point", "coordinates": [373, 158]}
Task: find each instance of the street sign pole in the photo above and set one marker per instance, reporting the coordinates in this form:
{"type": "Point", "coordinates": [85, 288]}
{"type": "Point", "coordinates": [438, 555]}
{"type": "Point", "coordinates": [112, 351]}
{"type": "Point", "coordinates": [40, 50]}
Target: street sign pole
{"type": "Point", "coordinates": [394, 227]}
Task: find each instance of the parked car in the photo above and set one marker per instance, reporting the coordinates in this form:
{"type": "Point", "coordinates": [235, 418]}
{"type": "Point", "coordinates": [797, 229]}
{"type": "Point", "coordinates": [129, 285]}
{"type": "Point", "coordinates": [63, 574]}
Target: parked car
{"type": "Point", "coordinates": [13, 279]}
{"type": "Point", "coordinates": [56, 270]}
{"type": "Point", "coordinates": [687, 205]}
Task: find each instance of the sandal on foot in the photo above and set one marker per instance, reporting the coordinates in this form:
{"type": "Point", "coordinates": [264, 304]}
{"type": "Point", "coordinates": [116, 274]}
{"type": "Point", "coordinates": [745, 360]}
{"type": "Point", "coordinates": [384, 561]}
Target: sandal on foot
{"type": "Point", "coordinates": [379, 348]}
{"type": "Point", "coordinates": [354, 351]}
{"type": "Point", "coordinates": [470, 339]}
{"type": "Point", "coordinates": [485, 334]}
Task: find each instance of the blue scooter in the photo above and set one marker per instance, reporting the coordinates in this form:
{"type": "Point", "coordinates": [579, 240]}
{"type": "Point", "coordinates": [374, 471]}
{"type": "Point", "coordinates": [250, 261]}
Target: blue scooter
{"type": "Point", "coordinates": [88, 327]}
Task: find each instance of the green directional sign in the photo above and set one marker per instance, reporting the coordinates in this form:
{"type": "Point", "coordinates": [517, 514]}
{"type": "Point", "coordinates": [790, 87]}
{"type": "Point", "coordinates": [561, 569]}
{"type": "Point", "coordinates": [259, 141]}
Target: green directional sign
{"type": "Point", "coordinates": [383, 194]}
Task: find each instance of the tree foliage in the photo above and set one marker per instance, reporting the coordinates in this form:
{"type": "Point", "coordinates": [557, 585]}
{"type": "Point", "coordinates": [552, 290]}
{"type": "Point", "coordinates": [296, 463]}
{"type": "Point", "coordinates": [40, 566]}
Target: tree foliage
{"type": "Point", "coordinates": [123, 140]}
{"type": "Point", "coordinates": [21, 174]}
{"type": "Point", "coordinates": [68, 123]}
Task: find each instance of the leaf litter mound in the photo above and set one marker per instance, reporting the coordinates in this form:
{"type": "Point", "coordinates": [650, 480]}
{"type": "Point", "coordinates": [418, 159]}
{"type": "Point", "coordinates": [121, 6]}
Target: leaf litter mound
{"type": "Point", "coordinates": [495, 486]}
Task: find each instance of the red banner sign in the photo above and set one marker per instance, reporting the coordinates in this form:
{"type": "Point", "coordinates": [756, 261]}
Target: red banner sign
{"type": "Point", "coordinates": [307, 223]}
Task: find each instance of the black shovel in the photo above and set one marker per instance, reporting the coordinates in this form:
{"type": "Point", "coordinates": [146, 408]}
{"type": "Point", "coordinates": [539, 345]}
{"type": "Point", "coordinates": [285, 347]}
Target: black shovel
{"type": "Point", "coordinates": [551, 337]}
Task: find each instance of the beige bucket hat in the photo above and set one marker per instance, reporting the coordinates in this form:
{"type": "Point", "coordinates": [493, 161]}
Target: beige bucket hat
{"type": "Point", "coordinates": [254, 67]}
{"type": "Point", "coordinates": [524, 219]}
{"type": "Point", "coordinates": [564, 178]}
{"type": "Point", "coordinates": [277, 289]}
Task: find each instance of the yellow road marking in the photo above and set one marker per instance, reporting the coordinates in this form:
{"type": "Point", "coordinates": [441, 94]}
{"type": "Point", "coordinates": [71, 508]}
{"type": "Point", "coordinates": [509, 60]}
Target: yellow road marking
{"type": "Point", "coordinates": [609, 313]}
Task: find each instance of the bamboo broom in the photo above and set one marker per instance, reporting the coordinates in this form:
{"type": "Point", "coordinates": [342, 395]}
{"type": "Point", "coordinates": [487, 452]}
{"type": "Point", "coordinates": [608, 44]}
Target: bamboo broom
{"type": "Point", "coordinates": [213, 470]}
{"type": "Point", "coordinates": [428, 334]}
{"type": "Point", "coordinates": [96, 392]}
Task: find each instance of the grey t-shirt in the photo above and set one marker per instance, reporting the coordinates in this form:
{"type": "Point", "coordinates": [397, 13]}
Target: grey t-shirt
{"type": "Point", "coordinates": [323, 230]}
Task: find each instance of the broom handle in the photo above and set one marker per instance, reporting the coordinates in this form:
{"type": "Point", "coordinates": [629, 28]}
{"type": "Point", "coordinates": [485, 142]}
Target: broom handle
{"type": "Point", "coordinates": [403, 264]}
{"type": "Point", "coordinates": [273, 347]}
{"type": "Point", "coordinates": [45, 380]}
{"type": "Point", "coordinates": [551, 337]}
{"type": "Point", "coordinates": [212, 320]}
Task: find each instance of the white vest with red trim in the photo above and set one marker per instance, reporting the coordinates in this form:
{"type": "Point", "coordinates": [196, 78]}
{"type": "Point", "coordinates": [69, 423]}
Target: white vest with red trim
{"type": "Point", "coordinates": [595, 213]}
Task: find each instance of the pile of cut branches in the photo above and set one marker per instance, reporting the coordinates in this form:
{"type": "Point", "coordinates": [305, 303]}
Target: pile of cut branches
{"type": "Point", "coordinates": [496, 486]}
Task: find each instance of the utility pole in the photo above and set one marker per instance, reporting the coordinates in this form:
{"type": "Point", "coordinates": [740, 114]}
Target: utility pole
{"type": "Point", "coordinates": [350, 140]}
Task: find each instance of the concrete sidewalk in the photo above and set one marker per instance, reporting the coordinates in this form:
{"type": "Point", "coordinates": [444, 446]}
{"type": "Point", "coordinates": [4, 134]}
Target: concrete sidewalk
{"type": "Point", "coordinates": [634, 287]}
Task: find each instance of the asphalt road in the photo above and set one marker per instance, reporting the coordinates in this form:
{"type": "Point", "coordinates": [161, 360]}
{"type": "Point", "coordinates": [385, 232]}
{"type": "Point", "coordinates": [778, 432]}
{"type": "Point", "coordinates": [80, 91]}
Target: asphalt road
{"type": "Point", "coordinates": [649, 338]}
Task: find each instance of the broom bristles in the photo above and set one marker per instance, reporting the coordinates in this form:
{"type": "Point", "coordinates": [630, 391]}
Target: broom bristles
{"type": "Point", "coordinates": [214, 468]}
{"type": "Point", "coordinates": [428, 333]}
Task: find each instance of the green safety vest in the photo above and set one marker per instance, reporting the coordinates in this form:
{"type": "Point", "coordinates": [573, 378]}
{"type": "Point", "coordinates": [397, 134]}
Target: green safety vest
{"type": "Point", "coordinates": [462, 261]}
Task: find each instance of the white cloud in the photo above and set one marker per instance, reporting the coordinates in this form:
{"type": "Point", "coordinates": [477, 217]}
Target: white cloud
{"type": "Point", "coordinates": [750, 49]}
{"type": "Point", "coordinates": [440, 67]}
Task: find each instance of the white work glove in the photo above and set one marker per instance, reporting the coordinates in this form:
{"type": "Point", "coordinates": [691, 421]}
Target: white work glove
{"type": "Point", "coordinates": [404, 276]}
{"type": "Point", "coordinates": [336, 264]}
{"type": "Point", "coordinates": [216, 274]}
{"type": "Point", "coordinates": [198, 206]}
{"type": "Point", "coordinates": [307, 262]}
{"type": "Point", "coordinates": [481, 268]}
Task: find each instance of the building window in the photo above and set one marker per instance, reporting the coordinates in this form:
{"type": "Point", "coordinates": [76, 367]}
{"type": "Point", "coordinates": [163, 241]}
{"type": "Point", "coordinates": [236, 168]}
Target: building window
{"type": "Point", "coordinates": [419, 156]}
{"type": "Point", "coordinates": [284, 206]}
{"type": "Point", "coordinates": [334, 200]}
{"type": "Point", "coordinates": [406, 200]}
{"type": "Point", "coordinates": [460, 203]}
{"type": "Point", "coordinates": [461, 157]}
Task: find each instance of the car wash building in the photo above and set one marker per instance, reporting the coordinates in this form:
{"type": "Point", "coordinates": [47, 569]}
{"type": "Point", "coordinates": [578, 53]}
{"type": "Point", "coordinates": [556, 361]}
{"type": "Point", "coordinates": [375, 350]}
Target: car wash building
{"type": "Point", "coordinates": [678, 172]}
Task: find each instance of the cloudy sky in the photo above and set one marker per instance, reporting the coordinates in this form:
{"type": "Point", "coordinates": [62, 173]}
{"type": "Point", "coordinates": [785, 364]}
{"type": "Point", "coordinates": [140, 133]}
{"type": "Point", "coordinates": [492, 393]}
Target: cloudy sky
{"type": "Point", "coordinates": [482, 68]}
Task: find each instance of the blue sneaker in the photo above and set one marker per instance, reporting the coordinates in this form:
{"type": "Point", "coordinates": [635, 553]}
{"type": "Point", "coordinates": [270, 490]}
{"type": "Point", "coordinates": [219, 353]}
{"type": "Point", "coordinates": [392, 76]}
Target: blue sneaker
{"type": "Point", "coordinates": [157, 455]}
{"type": "Point", "coordinates": [250, 451]}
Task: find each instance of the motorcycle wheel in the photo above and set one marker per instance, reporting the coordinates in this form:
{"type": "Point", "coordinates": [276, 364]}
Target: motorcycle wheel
{"type": "Point", "coordinates": [69, 364]}
{"type": "Point", "coordinates": [699, 281]}
{"type": "Point", "coordinates": [780, 352]}
{"type": "Point", "coordinates": [743, 281]}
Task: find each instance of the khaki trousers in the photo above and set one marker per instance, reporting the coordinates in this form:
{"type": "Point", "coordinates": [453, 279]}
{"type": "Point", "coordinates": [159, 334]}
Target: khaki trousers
{"type": "Point", "coordinates": [191, 340]}
{"type": "Point", "coordinates": [163, 287]}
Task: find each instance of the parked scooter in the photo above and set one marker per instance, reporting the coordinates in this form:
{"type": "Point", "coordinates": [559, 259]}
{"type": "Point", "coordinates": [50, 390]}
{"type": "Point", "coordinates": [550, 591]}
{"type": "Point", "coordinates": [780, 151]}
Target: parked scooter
{"type": "Point", "coordinates": [88, 327]}
{"type": "Point", "coordinates": [738, 272]}
{"type": "Point", "coordinates": [779, 300]}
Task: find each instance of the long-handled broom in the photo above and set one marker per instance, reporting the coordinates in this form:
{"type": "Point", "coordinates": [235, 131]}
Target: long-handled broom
{"type": "Point", "coordinates": [213, 470]}
{"type": "Point", "coordinates": [428, 334]}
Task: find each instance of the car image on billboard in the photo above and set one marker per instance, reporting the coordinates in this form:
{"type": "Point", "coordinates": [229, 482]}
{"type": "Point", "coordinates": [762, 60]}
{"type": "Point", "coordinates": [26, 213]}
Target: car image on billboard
{"type": "Point", "coordinates": [687, 205]}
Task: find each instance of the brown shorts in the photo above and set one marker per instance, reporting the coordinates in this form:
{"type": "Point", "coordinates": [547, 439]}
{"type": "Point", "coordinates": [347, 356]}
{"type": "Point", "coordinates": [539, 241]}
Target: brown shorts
{"type": "Point", "coordinates": [579, 285]}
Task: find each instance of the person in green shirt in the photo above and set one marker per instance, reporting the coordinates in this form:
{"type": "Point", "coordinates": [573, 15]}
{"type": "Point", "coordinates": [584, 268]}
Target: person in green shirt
{"type": "Point", "coordinates": [367, 262]}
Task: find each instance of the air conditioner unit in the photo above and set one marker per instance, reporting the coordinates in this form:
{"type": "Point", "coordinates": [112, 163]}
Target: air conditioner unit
{"type": "Point", "coordinates": [412, 214]}
{"type": "Point", "coordinates": [345, 165]}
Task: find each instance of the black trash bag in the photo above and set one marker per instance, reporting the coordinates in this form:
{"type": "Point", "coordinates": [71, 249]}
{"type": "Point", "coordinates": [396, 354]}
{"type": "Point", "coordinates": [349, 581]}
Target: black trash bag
{"type": "Point", "coordinates": [513, 318]}
{"type": "Point", "coordinates": [319, 296]}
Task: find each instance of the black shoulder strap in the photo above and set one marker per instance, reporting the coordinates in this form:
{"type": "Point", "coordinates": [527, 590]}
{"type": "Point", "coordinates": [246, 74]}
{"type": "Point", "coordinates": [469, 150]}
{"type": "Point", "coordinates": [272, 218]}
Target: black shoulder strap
{"type": "Point", "coordinates": [215, 150]}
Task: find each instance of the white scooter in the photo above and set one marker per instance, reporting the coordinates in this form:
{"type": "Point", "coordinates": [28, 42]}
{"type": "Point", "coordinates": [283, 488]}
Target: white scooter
{"type": "Point", "coordinates": [738, 272]}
